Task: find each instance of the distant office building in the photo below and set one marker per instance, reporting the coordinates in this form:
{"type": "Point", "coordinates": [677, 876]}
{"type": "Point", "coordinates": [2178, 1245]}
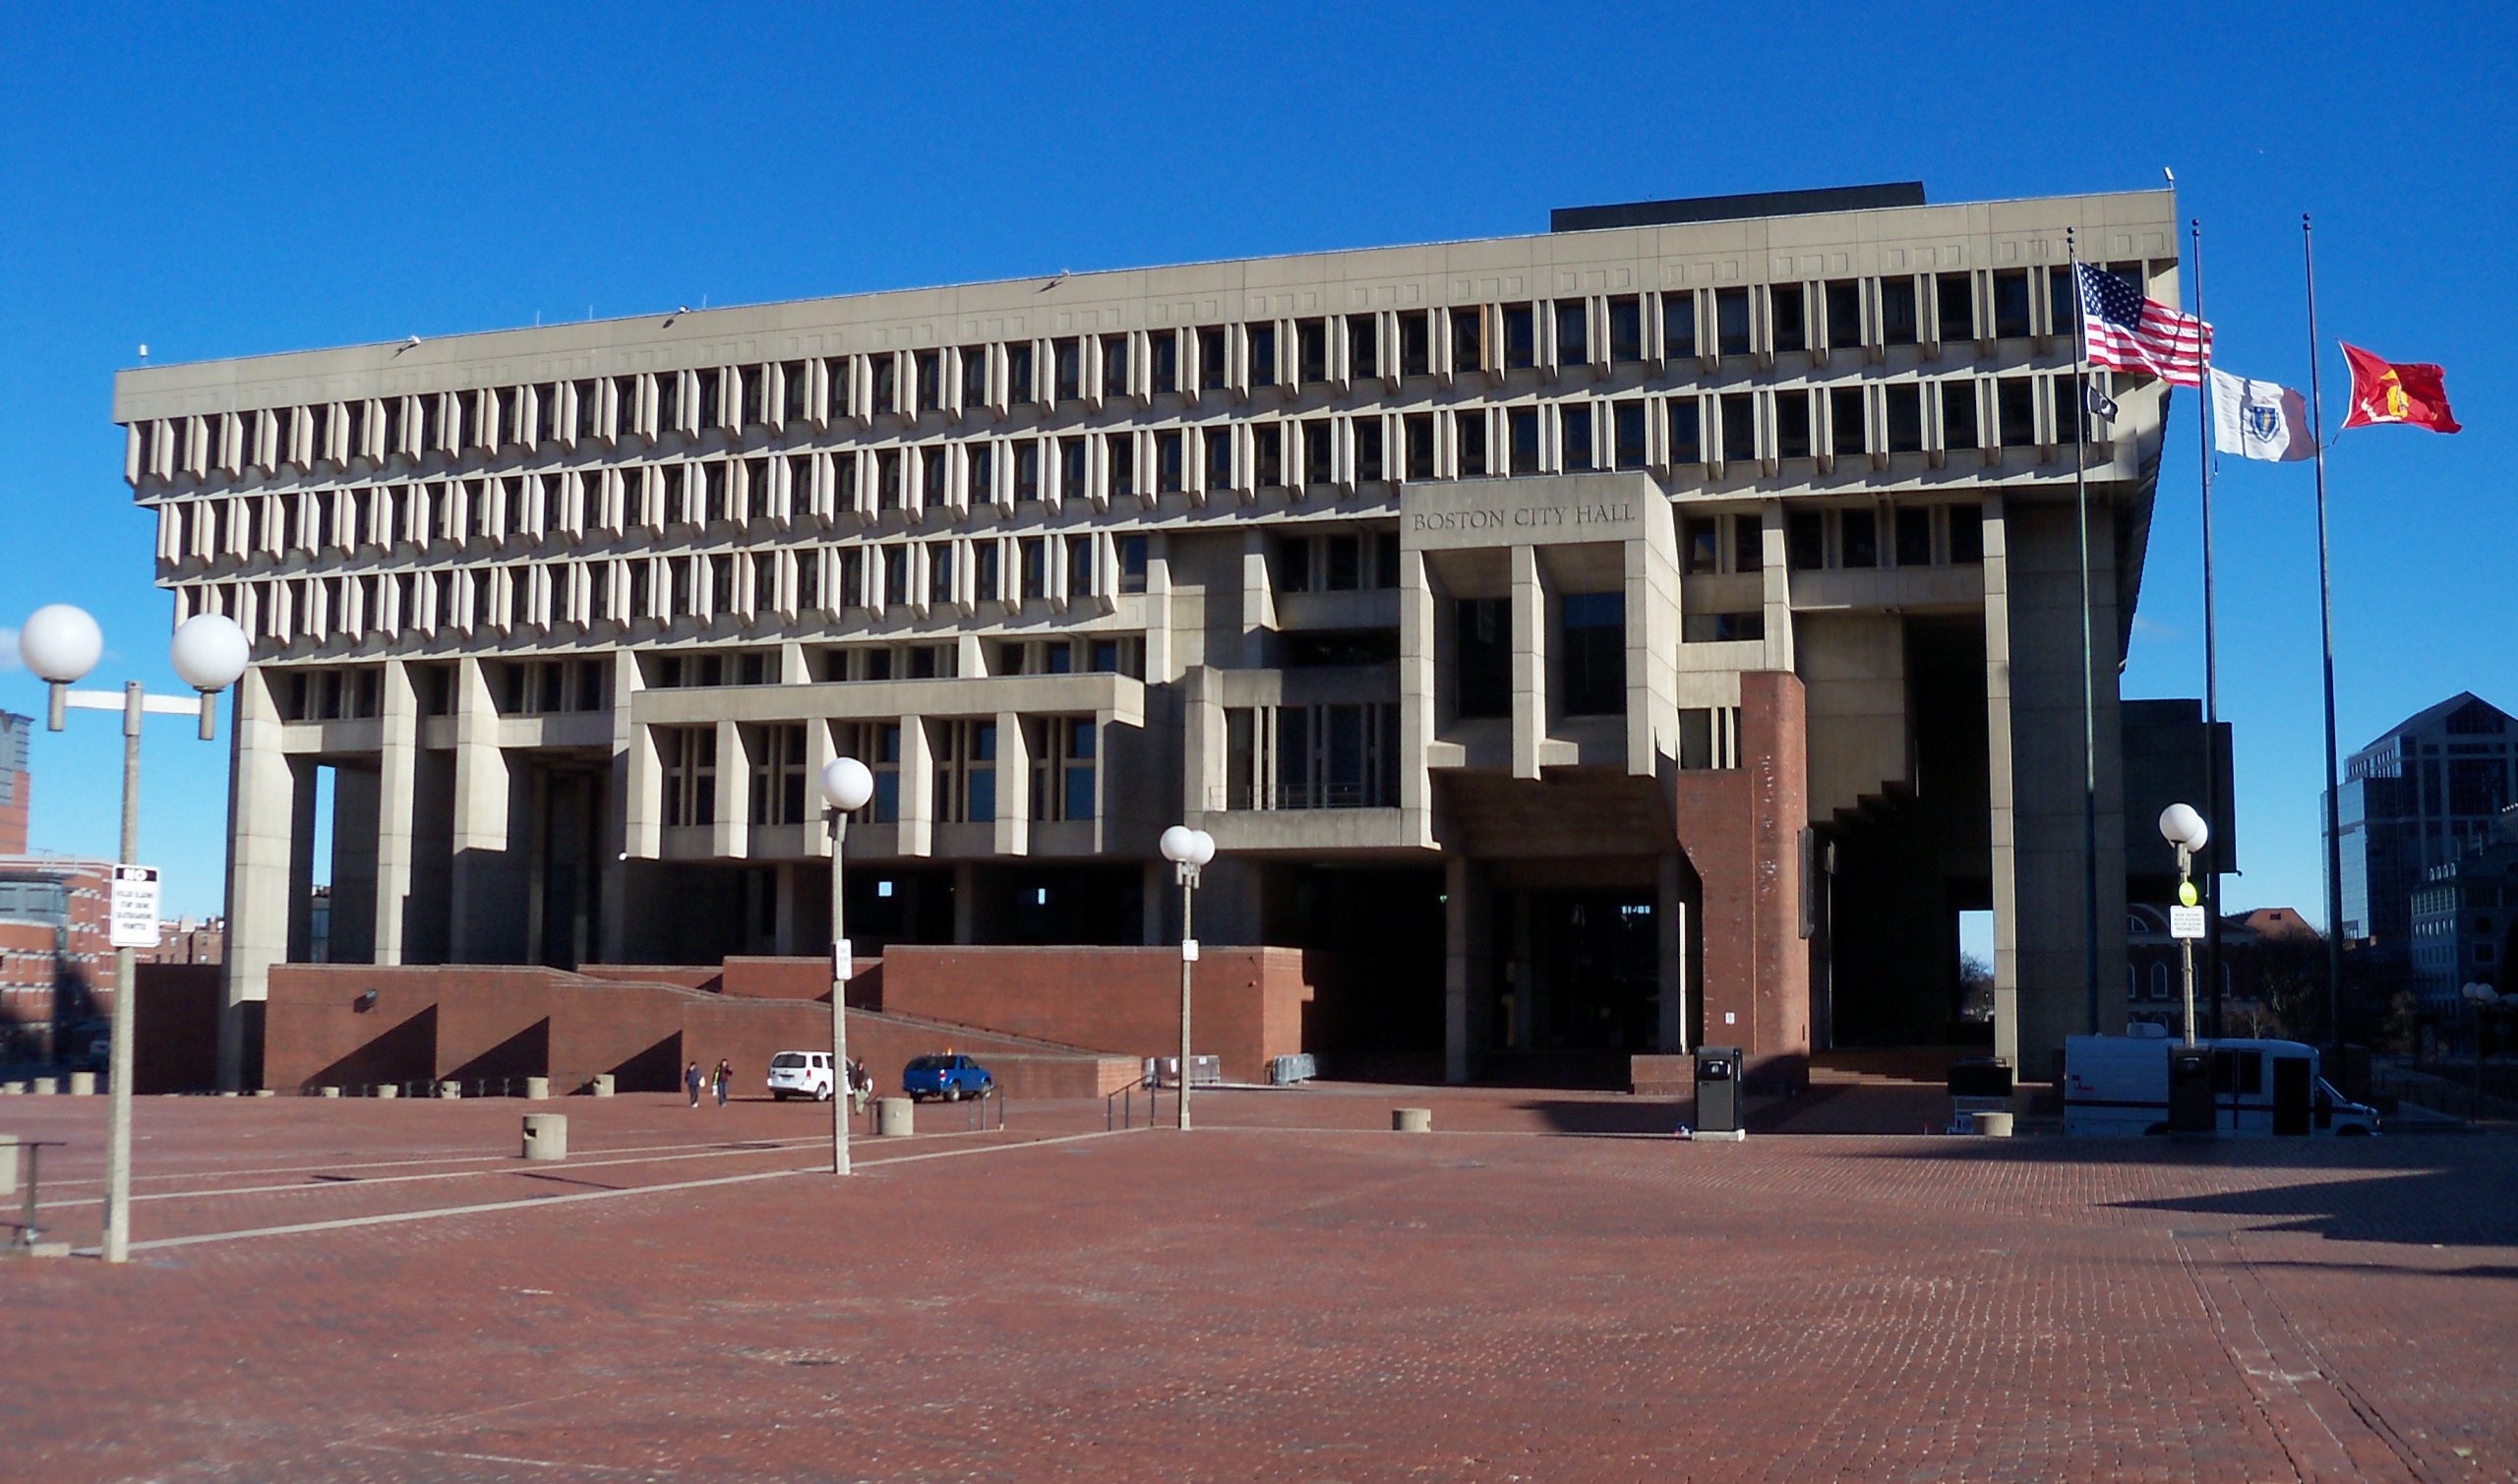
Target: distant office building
{"type": "Point", "coordinates": [55, 962]}
{"type": "Point", "coordinates": [186, 941]}
{"type": "Point", "coordinates": [2462, 913]}
{"type": "Point", "coordinates": [2424, 793]}
{"type": "Point", "coordinates": [15, 782]}
{"type": "Point", "coordinates": [2272, 972]}
{"type": "Point", "coordinates": [1615, 637]}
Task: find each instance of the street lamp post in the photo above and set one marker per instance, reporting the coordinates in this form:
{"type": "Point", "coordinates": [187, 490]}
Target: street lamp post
{"type": "Point", "coordinates": [1187, 850]}
{"type": "Point", "coordinates": [60, 644]}
{"type": "Point", "coordinates": [846, 787]}
{"type": "Point", "coordinates": [2183, 828]}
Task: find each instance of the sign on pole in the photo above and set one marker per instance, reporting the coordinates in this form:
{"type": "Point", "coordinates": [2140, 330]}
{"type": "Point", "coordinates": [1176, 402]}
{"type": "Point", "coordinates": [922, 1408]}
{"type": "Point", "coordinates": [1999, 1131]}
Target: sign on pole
{"type": "Point", "coordinates": [135, 907]}
{"type": "Point", "coordinates": [2185, 922]}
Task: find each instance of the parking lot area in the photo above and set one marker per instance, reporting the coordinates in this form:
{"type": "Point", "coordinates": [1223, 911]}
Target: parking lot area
{"type": "Point", "coordinates": [1545, 1287]}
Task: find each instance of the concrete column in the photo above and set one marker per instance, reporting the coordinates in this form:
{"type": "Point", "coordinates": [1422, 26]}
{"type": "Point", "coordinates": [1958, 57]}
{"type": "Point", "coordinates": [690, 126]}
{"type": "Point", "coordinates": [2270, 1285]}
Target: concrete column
{"type": "Point", "coordinates": [2002, 794]}
{"type": "Point", "coordinates": [1258, 599]}
{"type": "Point", "coordinates": [1459, 969]}
{"type": "Point", "coordinates": [636, 807]}
{"type": "Point", "coordinates": [397, 763]}
{"type": "Point", "coordinates": [730, 836]}
{"type": "Point", "coordinates": [1530, 662]}
{"type": "Point", "coordinates": [1416, 643]}
{"type": "Point", "coordinates": [1669, 930]}
{"type": "Point", "coordinates": [917, 789]}
{"type": "Point", "coordinates": [1013, 833]}
{"type": "Point", "coordinates": [262, 823]}
{"type": "Point", "coordinates": [481, 901]}
{"type": "Point", "coordinates": [965, 903]}
{"type": "Point", "coordinates": [782, 940]}
{"type": "Point", "coordinates": [1775, 594]}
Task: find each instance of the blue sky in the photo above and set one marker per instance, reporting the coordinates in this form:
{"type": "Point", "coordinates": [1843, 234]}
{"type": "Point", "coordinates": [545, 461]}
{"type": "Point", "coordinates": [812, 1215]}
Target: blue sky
{"type": "Point", "coordinates": [276, 178]}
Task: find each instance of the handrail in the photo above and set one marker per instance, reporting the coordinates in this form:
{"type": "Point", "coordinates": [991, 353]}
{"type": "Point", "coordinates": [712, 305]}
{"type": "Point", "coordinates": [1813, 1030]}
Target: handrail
{"type": "Point", "coordinates": [1119, 1105]}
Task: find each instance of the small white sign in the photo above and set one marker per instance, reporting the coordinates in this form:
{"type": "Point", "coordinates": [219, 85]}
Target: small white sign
{"type": "Point", "coordinates": [135, 907]}
{"type": "Point", "coordinates": [1730, 1018]}
{"type": "Point", "coordinates": [1190, 950]}
{"type": "Point", "coordinates": [843, 960]}
{"type": "Point", "coordinates": [2185, 922]}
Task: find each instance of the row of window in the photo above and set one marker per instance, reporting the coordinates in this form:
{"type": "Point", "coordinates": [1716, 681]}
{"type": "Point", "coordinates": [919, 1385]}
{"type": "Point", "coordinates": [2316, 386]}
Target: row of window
{"type": "Point", "coordinates": [1850, 538]}
{"type": "Point", "coordinates": [963, 769]}
{"type": "Point", "coordinates": [769, 494]}
{"type": "Point", "coordinates": [1601, 333]}
{"type": "Point", "coordinates": [1012, 572]}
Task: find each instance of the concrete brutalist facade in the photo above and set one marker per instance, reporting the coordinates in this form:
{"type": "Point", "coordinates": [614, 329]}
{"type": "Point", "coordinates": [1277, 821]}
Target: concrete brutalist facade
{"type": "Point", "coordinates": [1291, 549]}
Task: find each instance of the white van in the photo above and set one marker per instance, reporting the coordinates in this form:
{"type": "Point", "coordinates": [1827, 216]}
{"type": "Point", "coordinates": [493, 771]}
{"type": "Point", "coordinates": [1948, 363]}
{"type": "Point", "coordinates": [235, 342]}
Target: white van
{"type": "Point", "coordinates": [799, 1074]}
{"type": "Point", "coordinates": [2119, 1085]}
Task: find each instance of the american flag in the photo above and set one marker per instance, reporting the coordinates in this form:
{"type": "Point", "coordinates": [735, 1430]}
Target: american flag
{"type": "Point", "coordinates": [2127, 331]}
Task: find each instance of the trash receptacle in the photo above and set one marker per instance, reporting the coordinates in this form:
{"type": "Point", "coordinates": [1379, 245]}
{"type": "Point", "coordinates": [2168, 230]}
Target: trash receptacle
{"type": "Point", "coordinates": [1718, 1090]}
{"type": "Point", "coordinates": [2189, 1090]}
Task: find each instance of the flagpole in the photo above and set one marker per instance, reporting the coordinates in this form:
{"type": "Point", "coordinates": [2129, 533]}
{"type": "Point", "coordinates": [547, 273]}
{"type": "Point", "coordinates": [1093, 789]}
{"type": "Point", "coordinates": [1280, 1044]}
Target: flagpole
{"type": "Point", "coordinates": [2089, 678]}
{"type": "Point", "coordinates": [2326, 616]}
{"type": "Point", "coordinates": [2211, 672]}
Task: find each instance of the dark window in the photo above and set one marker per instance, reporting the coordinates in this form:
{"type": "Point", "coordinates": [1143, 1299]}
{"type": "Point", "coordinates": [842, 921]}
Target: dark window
{"type": "Point", "coordinates": [1027, 468]}
{"type": "Point", "coordinates": [2010, 304]}
{"type": "Point", "coordinates": [1312, 351]}
{"type": "Point", "coordinates": [1805, 541]}
{"type": "Point", "coordinates": [1345, 563]}
{"type": "Point", "coordinates": [1122, 450]}
{"type": "Point", "coordinates": [1485, 663]}
{"type": "Point", "coordinates": [1521, 425]}
{"type": "Point", "coordinates": [1593, 630]}
{"type": "Point", "coordinates": [1955, 295]}
{"type": "Point", "coordinates": [1363, 345]}
{"type": "Point", "coordinates": [1573, 331]}
{"type": "Point", "coordinates": [1739, 425]}
{"type": "Point", "coordinates": [1748, 544]}
{"type": "Point", "coordinates": [1132, 565]}
{"type": "Point", "coordinates": [1114, 365]}
{"type": "Point", "coordinates": [1844, 313]}
{"type": "Point", "coordinates": [886, 383]}
{"type": "Point", "coordinates": [1844, 418]}
{"type": "Point", "coordinates": [2063, 301]}
{"type": "Point", "coordinates": [929, 365]}
{"type": "Point", "coordinates": [1700, 544]}
{"type": "Point", "coordinates": [1368, 450]}
{"type": "Point", "coordinates": [1474, 459]}
{"type": "Point", "coordinates": [1167, 461]}
{"type": "Point", "coordinates": [1521, 336]}
{"type": "Point", "coordinates": [1792, 423]}
{"type": "Point", "coordinates": [974, 375]}
{"type": "Point", "coordinates": [1629, 417]}
{"type": "Point", "coordinates": [2015, 411]}
{"type": "Point", "coordinates": [1967, 533]}
{"type": "Point", "coordinates": [1419, 427]}
{"type": "Point", "coordinates": [1417, 343]}
{"type": "Point", "coordinates": [1294, 564]}
{"type": "Point", "coordinates": [1687, 433]}
{"type": "Point", "coordinates": [1262, 341]}
{"type": "Point", "coordinates": [1905, 408]}
{"type": "Point", "coordinates": [1075, 477]}
{"type": "Point", "coordinates": [1626, 331]}
{"type": "Point", "coordinates": [1018, 374]}
{"type": "Point", "coordinates": [1573, 424]}
{"type": "Point", "coordinates": [1162, 356]}
{"type": "Point", "coordinates": [1213, 362]}
{"type": "Point", "coordinates": [1716, 628]}
{"type": "Point", "coordinates": [1319, 445]}
{"type": "Point", "coordinates": [1469, 337]}
{"type": "Point", "coordinates": [1859, 534]}
{"type": "Point", "coordinates": [1959, 413]}
{"type": "Point", "coordinates": [1792, 311]}
{"type": "Point", "coordinates": [1068, 356]}
{"type": "Point", "coordinates": [1731, 320]}
{"type": "Point", "coordinates": [1898, 324]}
{"type": "Point", "coordinates": [1914, 535]}
{"type": "Point", "coordinates": [1218, 441]}
{"type": "Point", "coordinates": [1267, 455]}
{"type": "Point", "coordinates": [1678, 322]}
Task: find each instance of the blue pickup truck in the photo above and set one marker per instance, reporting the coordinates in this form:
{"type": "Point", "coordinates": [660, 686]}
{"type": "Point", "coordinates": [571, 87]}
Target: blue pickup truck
{"type": "Point", "coordinates": [950, 1077]}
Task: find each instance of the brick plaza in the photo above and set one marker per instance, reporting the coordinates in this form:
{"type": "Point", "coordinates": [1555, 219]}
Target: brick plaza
{"type": "Point", "coordinates": [1542, 1288]}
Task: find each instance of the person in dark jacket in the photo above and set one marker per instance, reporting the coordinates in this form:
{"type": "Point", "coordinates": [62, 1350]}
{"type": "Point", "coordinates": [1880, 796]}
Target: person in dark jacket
{"type": "Point", "coordinates": [690, 1081]}
{"type": "Point", "coordinates": [725, 1080]}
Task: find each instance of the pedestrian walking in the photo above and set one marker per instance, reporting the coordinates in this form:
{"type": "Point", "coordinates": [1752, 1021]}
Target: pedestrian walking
{"type": "Point", "coordinates": [725, 1080]}
{"type": "Point", "coordinates": [690, 1081]}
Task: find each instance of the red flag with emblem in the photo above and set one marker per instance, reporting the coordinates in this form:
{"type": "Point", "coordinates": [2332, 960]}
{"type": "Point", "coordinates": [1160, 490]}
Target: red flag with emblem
{"type": "Point", "coordinates": [2394, 392]}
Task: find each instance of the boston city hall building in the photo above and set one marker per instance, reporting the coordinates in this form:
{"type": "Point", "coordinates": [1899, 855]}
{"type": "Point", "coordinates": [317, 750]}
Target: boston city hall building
{"type": "Point", "coordinates": [1580, 645]}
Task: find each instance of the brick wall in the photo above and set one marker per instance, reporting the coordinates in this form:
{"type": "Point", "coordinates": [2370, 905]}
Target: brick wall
{"type": "Point", "coordinates": [1741, 829]}
{"type": "Point", "coordinates": [1246, 1003]}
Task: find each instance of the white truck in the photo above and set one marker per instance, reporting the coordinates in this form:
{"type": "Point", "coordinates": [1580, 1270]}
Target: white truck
{"type": "Point", "coordinates": [2119, 1085]}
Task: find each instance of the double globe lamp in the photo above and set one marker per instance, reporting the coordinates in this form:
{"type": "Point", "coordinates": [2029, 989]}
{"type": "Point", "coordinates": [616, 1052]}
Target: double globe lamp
{"type": "Point", "coordinates": [60, 644]}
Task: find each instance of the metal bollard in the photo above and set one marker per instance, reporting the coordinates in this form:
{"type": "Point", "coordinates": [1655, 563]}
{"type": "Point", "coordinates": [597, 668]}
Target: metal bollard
{"type": "Point", "coordinates": [8, 1165]}
{"type": "Point", "coordinates": [44, 1087]}
{"type": "Point", "coordinates": [546, 1136]}
{"type": "Point", "coordinates": [1411, 1120]}
{"type": "Point", "coordinates": [892, 1117]}
{"type": "Point", "coordinates": [389, 1089]}
{"type": "Point", "coordinates": [449, 1088]}
{"type": "Point", "coordinates": [82, 1084]}
{"type": "Point", "coordinates": [603, 1084]}
{"type": "Point", "coordinates": [327, 1092]}
{"type": "Point", "coordinates": [537, 1088]}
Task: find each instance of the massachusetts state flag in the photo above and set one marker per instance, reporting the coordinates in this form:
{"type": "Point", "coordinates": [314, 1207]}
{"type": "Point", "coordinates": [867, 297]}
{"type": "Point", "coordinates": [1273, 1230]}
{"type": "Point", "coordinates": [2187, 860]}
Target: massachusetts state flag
{"type": "Point", "coordinates": [2397, 392]}
{"type": "Point", "coordinates": [2127, 331]}
{"type": "Point", "coordinates": [2259, 419]}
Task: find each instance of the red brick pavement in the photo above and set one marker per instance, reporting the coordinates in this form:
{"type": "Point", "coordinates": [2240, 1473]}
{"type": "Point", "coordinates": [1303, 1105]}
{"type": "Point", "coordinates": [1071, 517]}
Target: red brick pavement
{"type": "Point", "coordinates": [1261, 1299]}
